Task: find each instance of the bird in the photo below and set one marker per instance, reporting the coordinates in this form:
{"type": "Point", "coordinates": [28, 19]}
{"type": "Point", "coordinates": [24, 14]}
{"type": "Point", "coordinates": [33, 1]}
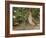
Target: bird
{"type": "Point", "coordinates": [31, 20]}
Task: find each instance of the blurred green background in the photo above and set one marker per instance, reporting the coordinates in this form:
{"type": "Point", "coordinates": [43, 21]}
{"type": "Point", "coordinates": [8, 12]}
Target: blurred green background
{"type": "Point", "coordinates": [21, 16]}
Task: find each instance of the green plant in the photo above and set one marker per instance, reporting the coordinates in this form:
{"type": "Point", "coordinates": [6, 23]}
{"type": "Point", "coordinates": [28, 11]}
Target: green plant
{"type": "Point", "coordinates": [22, 13]}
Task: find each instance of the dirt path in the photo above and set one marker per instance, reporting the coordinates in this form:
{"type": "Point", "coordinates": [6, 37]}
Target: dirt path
{"type": "Point", "coordinates": [26, 27]}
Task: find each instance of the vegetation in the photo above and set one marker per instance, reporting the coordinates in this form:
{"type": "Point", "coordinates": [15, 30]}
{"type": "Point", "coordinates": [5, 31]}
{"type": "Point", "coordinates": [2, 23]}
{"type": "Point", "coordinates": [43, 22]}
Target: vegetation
{"type": "Point", "coordinates": [35, 12]}
{"type": "Point", "coordinates": [21, 14]}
